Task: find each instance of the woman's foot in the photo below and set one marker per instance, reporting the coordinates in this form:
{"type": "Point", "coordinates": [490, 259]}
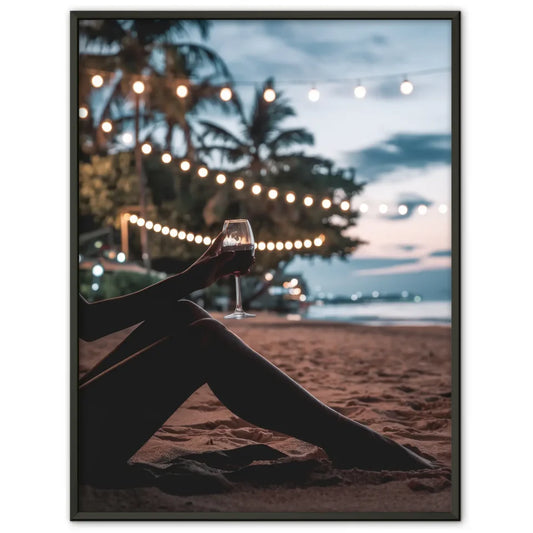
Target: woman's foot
{"type": "Point", "coordinates": [371, 451]}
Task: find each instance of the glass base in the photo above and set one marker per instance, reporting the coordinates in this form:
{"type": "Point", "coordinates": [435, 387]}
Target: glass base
{"type": "Point", "coordinates": [239, 314]}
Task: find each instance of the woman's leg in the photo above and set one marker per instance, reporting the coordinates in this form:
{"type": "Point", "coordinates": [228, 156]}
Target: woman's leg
{"type": "Point", "coordinates": [125, 405]}
{"type": "Point", "coordinates": [170, 319]}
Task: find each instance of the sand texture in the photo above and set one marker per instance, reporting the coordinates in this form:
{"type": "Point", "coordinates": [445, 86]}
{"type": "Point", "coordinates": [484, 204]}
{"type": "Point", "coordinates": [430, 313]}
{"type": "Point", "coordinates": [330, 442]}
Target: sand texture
{"type": "Point", "coordinates": [397, 380]}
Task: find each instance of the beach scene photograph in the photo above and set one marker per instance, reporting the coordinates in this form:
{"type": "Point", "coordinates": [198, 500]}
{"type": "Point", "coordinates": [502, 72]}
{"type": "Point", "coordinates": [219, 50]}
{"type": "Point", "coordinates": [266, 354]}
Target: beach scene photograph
{"type": "Point", "coordinates": [264, 267]}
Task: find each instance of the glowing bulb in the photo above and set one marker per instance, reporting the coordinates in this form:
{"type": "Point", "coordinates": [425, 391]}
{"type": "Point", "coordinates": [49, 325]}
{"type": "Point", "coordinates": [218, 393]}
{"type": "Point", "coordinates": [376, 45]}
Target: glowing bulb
{"type": "Point", "coordinates": [269, 276]}
{"type": "Point", "coordinates": [190, 237]}
{"type": "Point", "coordinates": [308, 243]}
{"type": "Point", "coordinates": [314, 95]}
{"type": "Point", "coordinates": [261, 245]}
{"type": "Point", "coordinates": [182, 235]}
{"type": "Point", "coordinates": [256, 189]}
{"type": "Point", "coordinates": [107, 126]}
{"type": "Point", "coordinates": [185, 165]}
{"type": "Point", "coordinates": [318, 241]}
{"type": "Point", "coordinates": [443, 208]}
{"type": "Point", "coordinates": [290, 197]}
{"type": "Point", "coordinates": [165, 230]}
{"type": "Point", "coordinates": [198, 239]}
{"type": "Point", "coordinates": [166, 158]}
{"type": "Point", "coordinates": [406, 87]}
{"type": "Point", "coordinates": [140, 222]}
{"type": "Point", "coordinates": [98, 270]}
{"type": "Point", "coordinates": [121, 257]}
{"type": "Point", "coordinates": [133, 219]}
{"type": "Point", "coordinates": [383, 208]}
{"type": "Point", "coordinates": [138, 87]}
{"type": "Point", "coordinates": [363, 208]}
{"type": "Point", "coordinates": [359, 91]}
{"type": "Point", "coordinates": [326, 203]}
{"type": "Point", "coordinates": [226, 94]}
{"type": "Point", "coordinates": [272, 194]}
{"type": "Point", "coordinates": [97, 81]}
{"type": "Point", "coordinates": [202, 172]}
{"type": "Point", "coordinates": [269, 95]}
{"type": "Point", "coordinates": [279, 245]}
{"type": "Point", "coordinates": [402, 209]}
{"type": "Point", "coordinates": [173, 233]}
{"type": "Point", "coordinates": [207, 241]}
{"type": "Point", "coordinates": [221, 179]}
{"type": "Point", "coordinates": [157, 228]}
{"type": "Point", "coordinates": [422, 209]}
{"type": "Point", "coordinates": [127, 138]}
{"type": "Point", "coordinates": [149, 224]}
{"type": "Point", "coordinates": [270, 246]}
{"type": "Point", "coordinates": [239, 184]}
{"type": "Point", "coordinates": [298, 244]}
{"type": "Point", "coordinates": [308, 201]}
{"type": "Point", "coordinates": [182, 91]}
{"type": "Point", "coordinates": [83, 112]}
{"type": "Point", "coordinates": [95, 287]}
{"type": "Point", "coordinates": [146, 148]}
{"type": "Point", "coordinates": [345, 205]}
{"type": "Point", "coordinates": [288, 245]}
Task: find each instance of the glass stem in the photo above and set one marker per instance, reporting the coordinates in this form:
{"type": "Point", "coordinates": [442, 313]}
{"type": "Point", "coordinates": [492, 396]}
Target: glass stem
{"type": "Point", "coordinates": [238, 294]}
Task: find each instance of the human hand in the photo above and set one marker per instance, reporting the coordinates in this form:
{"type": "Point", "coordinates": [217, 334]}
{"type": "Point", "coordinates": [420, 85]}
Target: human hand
{"type": "Point", "coordinates": [212, 265]}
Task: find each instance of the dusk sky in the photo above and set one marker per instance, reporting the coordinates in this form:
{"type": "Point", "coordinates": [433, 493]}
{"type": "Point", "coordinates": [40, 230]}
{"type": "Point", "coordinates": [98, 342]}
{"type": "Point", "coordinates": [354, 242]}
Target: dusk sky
{"type": "Point", "coordinates": [400, 145]}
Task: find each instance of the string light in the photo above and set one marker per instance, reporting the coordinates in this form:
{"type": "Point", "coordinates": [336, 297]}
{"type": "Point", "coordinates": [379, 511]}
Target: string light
{"type": "Point", "coordinates": [272, 194]}
{"type": "Point", "coordinates": [138, 87]}
{"type": "Point", "coordinates": [443, 209]}
{"type": "Point", "coordinates": [298, 244]}
{"type": "Point", "coordinates": [239, 184]}
{"type": "Point", "coordinates": [146, 148]}
{"type": "Point", "coordinates": [83, 112]}
{"type": "Point", "coordinates": [359, 91]}
{"type": "Point", "coordinates": [345, 205]}
{"type": "Point", "coordinates": [318, 241]}
{"type": "Point", "coordinates": [166, 158]}
{"type": "Point", "coordinates": [127, 138]}
{"type": "Point", "coordinates": [288, 245]}
{"type": "Point", "coordinates": [314, 94]}
{"type": "Point", "coordinates": [133, 218]}
{"type": "Point", "coordinates": [165, 230]}
{"type": "Point", "coordinates": [270, 246]}
{"type": "Point", "coordinates": [198, 239]}
{"type": "Point", "coordinates": [256, 189]}
{"type": "Point", "coordinates": [149, 224]}
{"type": "Point", "coordinates": [406, 87]}
{"type": "Point", "coordinates": [181, 235]}
{"type": "Point", "coordinates": [363, 208]}
{"type": "Point", "coordinates": [202, 172]}
{"type": "Point", "coordinates": [221, 179]}
{"type": "Point", "coordinates": [308, 201]}
{"type": "Point", "coordinates": [261, 246]}
{"type": "Point", "coordinates": [173, 233]}
{"type": "Point", "coordinates": [402, 209]}
{"type": "Point", "coordinates": [269, 95]}
{"type": "Point", "coordinates": [207, 241]}
{"type": "Point", "coordinates": [269, 276]}
{"type": "Point", "coordinates": [107, 126]}
{"type": "Point", "coordinates": [140, 222]}
{"type": "Point", "coordinates": [326, 203]}
{"type": "Point", "coordinates": [190, 237]}
{"type": "Point", "coordinates": [383, 208]}
{"type": "Point", "coordinates": [422, 209]}
{"type": "Point", "coordinates": [290, 197]}
{"type": "Point", "coordinates": [279, 245]}
{"type": "Point", "coordinates": [308, 243]}
{"type": "Point", "coordinates": [182, 91]}
{"type": "Point", "coordinates": [97, 81]}
{"type": "Point", "coordinates": [157, 228]}
{"type": "Point", "coordinates": [226, 94]}
{"type": "Point", "coordinates": [185, 165]}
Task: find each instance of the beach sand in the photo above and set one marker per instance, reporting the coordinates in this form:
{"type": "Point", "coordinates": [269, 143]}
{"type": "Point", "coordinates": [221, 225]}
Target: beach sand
{"type": "Point", "coordinates": [397, 380]}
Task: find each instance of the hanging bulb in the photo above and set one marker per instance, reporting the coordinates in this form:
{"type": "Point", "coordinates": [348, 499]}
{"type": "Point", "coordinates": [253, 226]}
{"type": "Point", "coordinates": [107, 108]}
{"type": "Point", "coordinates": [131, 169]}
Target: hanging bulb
{"type": "Point", "coordinates": [314, 94]}
{"type": "Point", "coordinates": [359, 91]}
{"type": "Point", "coordinates": [83, 112]}
{"type": "Point", "coordinates": [166, 158]}
{"type": "Point", "coordinates": [185, 165]}
{"type": "Point", "coordinates": [107, 126]}
{"type": "Point", "coordinates": [146, 148]}
{"type": "Point", "coordinates": [226, 94]}
{"type": "Point", "coordinates": [138, 87]}
{"type": "Point", "coordinates": [269, 95]}
{"type": "Point", "coordinates": [406, 87]}
{"type": "Point", "coordinates": [97, 81]}
{"type": "Point", "coordinates": [182, 91]}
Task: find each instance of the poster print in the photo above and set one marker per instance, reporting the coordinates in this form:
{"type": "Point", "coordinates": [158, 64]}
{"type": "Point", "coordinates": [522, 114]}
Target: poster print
{"type": "Point", "coordinates": [265, 249]}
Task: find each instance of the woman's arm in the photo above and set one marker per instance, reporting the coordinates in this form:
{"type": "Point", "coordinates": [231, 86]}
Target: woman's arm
{"type": "Point", "coordinates": [106, 316]}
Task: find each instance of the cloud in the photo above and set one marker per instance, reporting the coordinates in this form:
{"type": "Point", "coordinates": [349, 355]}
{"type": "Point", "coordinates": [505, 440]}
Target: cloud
{"type": "Point", "coordinates": [441, 253]}
{"type": "Point", "coordinates": [406, 247]}
{"type": "Point", "coordinates": [401, 151]}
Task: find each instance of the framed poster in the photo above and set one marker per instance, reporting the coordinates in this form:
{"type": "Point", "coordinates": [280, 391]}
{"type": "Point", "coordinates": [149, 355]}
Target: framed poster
{"type": "Point", "coordinates": [265, 265]}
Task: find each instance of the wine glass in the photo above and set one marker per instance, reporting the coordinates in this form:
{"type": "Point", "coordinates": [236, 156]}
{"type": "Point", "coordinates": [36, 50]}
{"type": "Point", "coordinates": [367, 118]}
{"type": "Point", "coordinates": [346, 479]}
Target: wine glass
{"type": "Point", "coordinates": [238, 238]}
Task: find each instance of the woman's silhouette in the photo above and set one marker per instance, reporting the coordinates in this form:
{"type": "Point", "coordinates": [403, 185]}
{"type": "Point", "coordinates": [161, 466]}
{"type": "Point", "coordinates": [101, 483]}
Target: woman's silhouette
{"type": "Point", "coordinates": [177, 348]}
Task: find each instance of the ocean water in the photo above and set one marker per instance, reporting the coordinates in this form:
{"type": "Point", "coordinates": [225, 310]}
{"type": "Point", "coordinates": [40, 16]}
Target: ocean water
{"type": "Point", "coordinates": [385, 313]}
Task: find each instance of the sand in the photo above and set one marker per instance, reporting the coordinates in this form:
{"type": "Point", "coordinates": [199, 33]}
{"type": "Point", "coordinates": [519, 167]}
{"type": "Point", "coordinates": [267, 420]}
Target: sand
{"type": "Point", "coordinates": [397, 380]}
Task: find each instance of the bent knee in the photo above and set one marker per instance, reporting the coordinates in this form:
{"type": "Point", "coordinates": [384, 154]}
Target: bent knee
{"type": "Point", "coordinates": [186, 312]}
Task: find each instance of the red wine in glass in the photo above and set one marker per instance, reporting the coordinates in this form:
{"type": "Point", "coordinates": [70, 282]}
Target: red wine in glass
{"type": "Point", "coordinates": [239, 238]}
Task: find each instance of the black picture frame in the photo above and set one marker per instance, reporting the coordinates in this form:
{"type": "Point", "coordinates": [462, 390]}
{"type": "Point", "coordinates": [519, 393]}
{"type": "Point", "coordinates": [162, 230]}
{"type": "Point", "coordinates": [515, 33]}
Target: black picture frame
{"type": "Point", "coordinates": [455, 18]}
